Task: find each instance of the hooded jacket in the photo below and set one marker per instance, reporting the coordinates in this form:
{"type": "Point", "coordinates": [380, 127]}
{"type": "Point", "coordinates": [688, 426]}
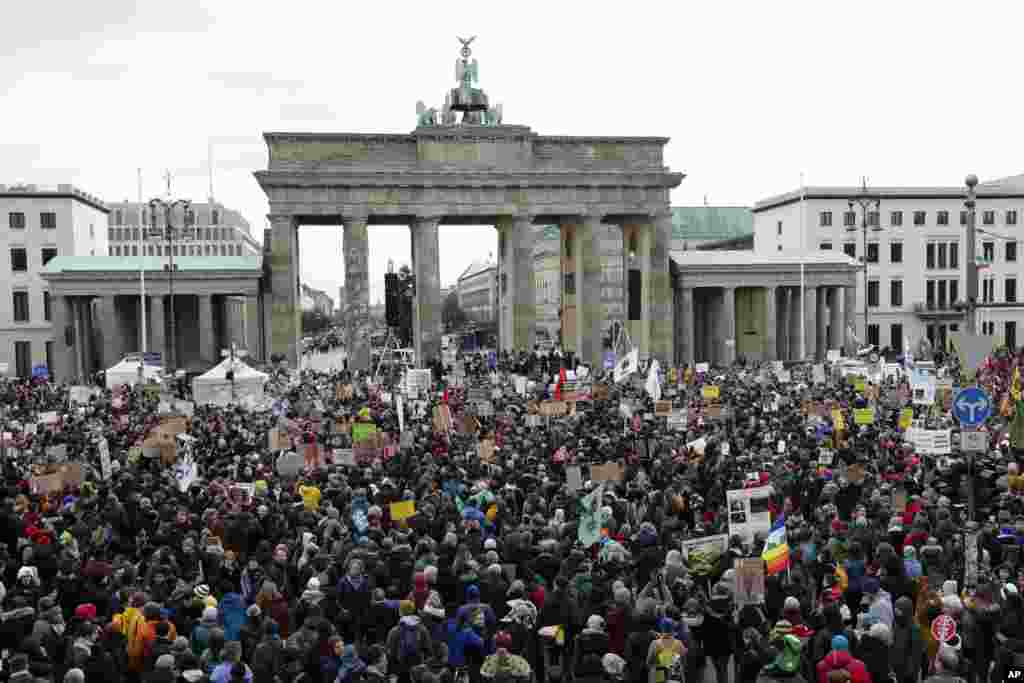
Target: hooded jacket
{"type": "Point", "coordinates": [411, 627]}
{"type": "Point", "coordinates": [842, 659]}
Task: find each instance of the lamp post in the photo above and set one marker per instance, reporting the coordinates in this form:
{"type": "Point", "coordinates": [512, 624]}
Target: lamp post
{"type": "Point", "coordinates": [170, 236]}
{"type": "Point", "coordinates": [866, 202]}
{"type": "Point", "coordinates": [970, 254]}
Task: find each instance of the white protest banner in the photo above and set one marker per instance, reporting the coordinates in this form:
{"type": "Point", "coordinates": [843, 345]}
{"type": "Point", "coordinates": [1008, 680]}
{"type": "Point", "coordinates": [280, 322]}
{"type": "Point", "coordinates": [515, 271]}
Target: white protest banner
{"type": "Point", "coordinates": [678, 419]}
{"type": "Point", "coordinates": [702, 368]}
{"type": "Point", "coordinates": [818, 373]}
{"type": "Point", "coordinates": [834, 355]}
{"type": "Point", "coordinates": [748, 512]}
{"type": "Point", "coordinates": [400, 406]}
{"type": "Point", "coordinates": [627, 366]}
{"type": "Point", "coordinates": [345, 456]}
{"type": "Point", "coordinates": [825, 456]}
{"type": "Point", "coordinates": [106, 469]}
{"type": "Point", "coordinates": [922, 387]}
{"type": "Point", "coordinates": [942, 441]}
{"type": "Point", "coordinates": [79, 394]}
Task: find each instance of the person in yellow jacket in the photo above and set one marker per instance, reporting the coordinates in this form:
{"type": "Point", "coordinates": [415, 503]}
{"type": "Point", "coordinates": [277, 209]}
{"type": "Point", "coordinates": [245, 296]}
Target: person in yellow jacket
{"type": "Point", "coordinates": [132, 620]}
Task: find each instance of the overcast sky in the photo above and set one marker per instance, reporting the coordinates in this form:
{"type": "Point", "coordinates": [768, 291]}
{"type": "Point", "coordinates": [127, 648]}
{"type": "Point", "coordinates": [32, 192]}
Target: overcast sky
{"type": "Point", "coordinates": [751, 93]}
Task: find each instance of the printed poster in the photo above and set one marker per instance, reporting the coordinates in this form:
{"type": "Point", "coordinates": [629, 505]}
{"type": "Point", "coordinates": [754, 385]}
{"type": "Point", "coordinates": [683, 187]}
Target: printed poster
{"type": "Point", "coordinates": [749, 581]}
{"type": "Point", "coordinates": [748, 512]}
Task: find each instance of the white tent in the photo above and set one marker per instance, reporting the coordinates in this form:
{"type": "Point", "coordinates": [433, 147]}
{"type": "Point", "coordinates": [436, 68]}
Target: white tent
{"type": "Point", "coordinates": [127, 372]}
{"type": "Point", "coordinates": [215, 388]}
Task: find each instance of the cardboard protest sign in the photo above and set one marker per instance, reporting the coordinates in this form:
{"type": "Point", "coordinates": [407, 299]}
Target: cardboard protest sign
{"type": "Point", "coordinates": [663, 408]}
{"type": "Point", "coordinates": [344, 392]}
{"type": "Point", "coordinates": [750, 585]}
{"type": "Point", "coordinates": [855, 474]}
{"type": "Point", "coordinates": [612, 471]}
{"type": "Point", "coordinates": [554, 408]}
{"type": "Point", "coordinates": [277, 441]}
{"type": "Point", "coordinates": [402, 510]}
{"type": "Point", "coordinates": [599, 392]}
{"type": "Point", "coordinates": [485, 450]}
{"type": "Point", "coordinates": [344, 456]}
{"type": "Point", "coordinates": [710, 392]}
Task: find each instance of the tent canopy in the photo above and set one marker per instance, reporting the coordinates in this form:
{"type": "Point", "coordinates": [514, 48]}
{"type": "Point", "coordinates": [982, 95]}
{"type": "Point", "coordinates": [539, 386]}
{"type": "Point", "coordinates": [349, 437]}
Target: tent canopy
{"type": "Point", "coordinates": [127, 372]}
{"type": "Point", "coordinates": [213, 387]}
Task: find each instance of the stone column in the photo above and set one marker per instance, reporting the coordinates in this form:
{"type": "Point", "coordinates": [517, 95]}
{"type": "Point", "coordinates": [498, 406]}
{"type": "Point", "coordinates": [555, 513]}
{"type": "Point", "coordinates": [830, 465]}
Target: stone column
{"type": "Point", "coordinates": [821, 319]}
{"type": "Point", "coordinates": [110, 328]}
{"type": "Point", "coordinates": [590, 314]}
{"type": "Point", "coordinates": [811, 322]}
{"type": "Point", "coordinates": [644, 251]}
{"type": "Point", "coordinates": [158, 328]}
{"type": "Point", "coordinates": [771, 347]}
{"type": "Point", "coordinates": [835, 318]}
{"type": "Point", "coordinates": [795, 313]}
{"type": "Point", "coordinates": [208, 353]}
{"type": "Point", "coordinates": [728, 325]}
{"type": "Point", "coordinates": [427, 306]}
{"type": "Point", "coordinates": [782, 324]}
{"type": "Point", "coordinates": [286, 301]}
{"type": "Point", "coordinates": [689, 339]}
{"type": "Point", "coordinates": [89, 342]}
{"type": "Point", "coordinates": [506, 283]}
{"type": "Point", "coordinates": [849, 313]}
{"type": "Point", "coordinates": [61, 317]}
{"type": "Point", "coordinates": [252, 328]}
{"type": "Point", "coordinates": [661, 340]}
{"type": "Point", "coordinates": [524, 309]}
{"type": "Point", "coordinates": [357, 289]}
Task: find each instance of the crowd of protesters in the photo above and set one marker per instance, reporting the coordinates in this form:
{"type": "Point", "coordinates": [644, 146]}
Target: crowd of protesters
{"type": "Point", "coordinates": [127, 575]}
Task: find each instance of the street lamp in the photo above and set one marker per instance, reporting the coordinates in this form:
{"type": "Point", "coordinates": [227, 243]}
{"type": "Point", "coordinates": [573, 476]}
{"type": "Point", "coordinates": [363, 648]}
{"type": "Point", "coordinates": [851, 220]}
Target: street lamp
{"type": "Point", "coordinates": [970, 254]}
{"type": "Point", "coordinates": [170, 236]}
{"type": "Point", "coordinates": [866, 202]}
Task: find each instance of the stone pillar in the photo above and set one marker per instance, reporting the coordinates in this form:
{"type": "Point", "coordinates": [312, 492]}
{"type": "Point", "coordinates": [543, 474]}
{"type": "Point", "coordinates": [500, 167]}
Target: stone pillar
{"type": "Point", "coordinates": [782, 324]}
{"type": "Point", "coordinates": [810, 322]}
{"type": "Point", "coordinates": [835, 340]}
{"type": "Point", "coordinates": [252, 328]}
{"type": "Point", "coordinates": [208, 353]}
{"type": "Point", "coordinates": [849, 314]}
{"type": "Point", "coordinates": [506, 283]}
{"type": "Point", "coordinates": [524, 309]}
{"type": "Point", "coordinates": [661, 341]}
{"type": "Point", "coordinates": [688, 338]}
{"type": "Point", "coordinates": [62, 317]}
{"type": "Point", "coordinates": [286, 301]}
{"type": "Point", "coordinates": [427, 306]}
{"type": "Point", "coordinates": [728, 325]}
{"type": "Point", "coordinates": [771, 347]}
{"type": "Point", "coordinates": [590, 314]}
{"type": "Point", "coordinates": [110, 328]}
{"type": "Point", "coordinates": [89, 342]}
{"type": "Point", "coordinates": [821, 319]}
{"type": "Point", "coordinates": [158, 328]}
{"type": "Point", "coordinates": [795, 315]}
{"type": "Point", "coordinates": [644, 251]}
{"type": "Point", "coordinates": [357, 289]}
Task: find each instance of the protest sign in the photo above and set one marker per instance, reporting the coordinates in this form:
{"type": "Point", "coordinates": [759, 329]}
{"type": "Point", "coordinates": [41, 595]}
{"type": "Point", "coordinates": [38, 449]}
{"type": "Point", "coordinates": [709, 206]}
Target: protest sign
{"type": "Point", "coordinates": [748, 512]}
{"type": "Point", "coordinates": [344, 392]}
{"type": "Point", "coordinates": [863, 416]}
{"type": "Point", "coordinates": [750, 588]}
{"type": "Point", "coordinates": [612, 471]}
{"type": "Point", "coordinates": [599, 392]}
{"type": "Point", "coordinates": [553, 408]}
{"type": "Point", "coordinates": [710, 392]}
{"type": "Point", "coordinates": [818, 374]}
{"type": "Point", "coordinates": [855, 474]}
{"type": "Point", "coordinates": [277, 441]}
{"type": "Point", "coordinates": [825, 456]}
{"type": "Point", "coordinates": [49, 418]}
{"type": "Point", "coordinates": [344, 456]}
{"type": "Point", "coordinates": [402, 510]}
{"type": "Point", "coordinates": [678, 419]}
{"type": "Point", "coordinates": [573, 478]}
{"type": "Point", "coordinates": [717, 544]}
{"type": "Point", "coordinates": [906, 418]}
{"type": "Point", "coordinates": [363, 431]}
{"type": "Point", "coordinates": [485, 450]}
{"type": "Point", "coordinates": [663, 408]}
{"type": "Point", "coordinates": [186, 408]}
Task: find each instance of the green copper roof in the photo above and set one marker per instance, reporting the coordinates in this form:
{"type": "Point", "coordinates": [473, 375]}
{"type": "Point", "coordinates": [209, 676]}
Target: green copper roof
{"type": "Point", "coordinates": [92, 264]}
{"type": "Point", "coordinates": [711, 222]}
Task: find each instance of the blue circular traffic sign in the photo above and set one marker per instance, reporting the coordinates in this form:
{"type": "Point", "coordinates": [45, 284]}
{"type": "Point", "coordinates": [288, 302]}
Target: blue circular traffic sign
{"type": "Point", "coordinates": [972, 406]}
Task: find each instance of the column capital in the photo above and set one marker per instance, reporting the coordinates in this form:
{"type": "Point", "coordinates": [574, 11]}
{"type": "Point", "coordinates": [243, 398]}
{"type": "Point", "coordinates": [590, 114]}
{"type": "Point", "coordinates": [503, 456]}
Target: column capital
{"type": "Point", "coordinates": [281, 219]}
{"type": "Point", "coordinates": [355, 218]}
{"type": "Point", "coordinates": [427, 218]}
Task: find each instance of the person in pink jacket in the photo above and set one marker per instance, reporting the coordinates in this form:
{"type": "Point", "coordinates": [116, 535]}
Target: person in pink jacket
{"type": "Point", "coordinates": [839, 666]}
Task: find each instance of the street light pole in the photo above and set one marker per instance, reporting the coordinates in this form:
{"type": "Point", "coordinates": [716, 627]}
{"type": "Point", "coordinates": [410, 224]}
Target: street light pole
{"type": "Point", "coordinates": [970, 255]}
{"type": "Point", "coordinates": [866, 202]}
{"type": "Point", "coordinates": [170, 237]}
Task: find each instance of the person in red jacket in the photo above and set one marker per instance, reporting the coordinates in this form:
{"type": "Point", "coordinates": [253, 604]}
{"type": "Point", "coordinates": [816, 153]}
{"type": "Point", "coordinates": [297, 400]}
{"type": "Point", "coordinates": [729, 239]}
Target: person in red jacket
{"type": "Point", "coordinates": [840, 666]}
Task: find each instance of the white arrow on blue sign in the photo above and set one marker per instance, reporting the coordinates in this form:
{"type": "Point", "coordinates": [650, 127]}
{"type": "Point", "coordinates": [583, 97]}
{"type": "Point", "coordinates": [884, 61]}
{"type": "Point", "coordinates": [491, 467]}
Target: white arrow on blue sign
{"type": "Point", "coordinates": [972, 407]}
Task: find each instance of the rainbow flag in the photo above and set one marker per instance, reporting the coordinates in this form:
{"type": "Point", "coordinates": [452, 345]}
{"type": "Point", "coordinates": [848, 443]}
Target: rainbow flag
{"type": "Point", "coordinates": [776, 549]}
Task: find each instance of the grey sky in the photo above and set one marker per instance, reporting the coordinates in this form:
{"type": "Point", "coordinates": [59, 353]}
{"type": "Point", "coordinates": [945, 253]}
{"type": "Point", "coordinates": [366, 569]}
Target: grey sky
{"type": "Point", "coordinates": [751, 93]}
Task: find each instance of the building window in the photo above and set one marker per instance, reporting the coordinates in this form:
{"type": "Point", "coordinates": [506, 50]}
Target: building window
{"type": "Point", "coordinates": [942, 262]}
{"type": "Point", "coordinates": [942, 293]}
{"type": "Point", "coordinates": [873, 293]}
{"type": "Point", "coordinates": [929, 256]}
{"type": "Point", "coordinates": [110, 234]}
{"type": "Point", "coordinates": [825, 219]}
{"type": "Point", "coordinates": [872, 252]}
{"type": "Point", "coordinates": [954, 255]}
{"type": "Point", "coordinates": [988, 328]}
{"type": "Point", "coordinates": [988, 251]}
{"type": "Point", "coordinates": [215, 217]}
{"type": "Point", "coordinates": [570, 283]}
{"type": "Point", "coordinates": [850, 249]}
{"type": "Point", "coordinates": [919, 217]}
{"type": "Point", "coordinates": [19, 260]}
{"type": "Point", "coordinates": [896, 336]}
{"type": "Point", "coordinates": [1011, 252]}
{"type": "Point", "coordinates": [954, 291]}
{"type": "Point", "coordinates": [21, 312]}
{"type": "Point", "coordinates": [46, 307]}
{"type": "Point", "coordinates": [23, 359]}
{"type": "Point", "coordinates": [778, 228]}
{"type": "Point", "coordinates": [825, 246]}
{"type": "Point", "coordinates": [873, 335]}
{"type": "Point", "coordinates": [1010, 335]}
{"type": "Point", "coordinates": [896, 293]}
{"type": "Point", "coordinates": [1011, 290]}
{"type": "Point", "coordinates": [929, 293]}
{"type": "Point", "coordinates": [135, 250]}
{"type": "Point", "coordinates": [988, 217]}
{"type": "Point", "coordinates": [896, 218]}
{"type": "Point", "coordinates": [16, 220]}
{"type": "Point", "coordinates": [48, 254]}
{"type": "Point", "coordinates": [873, 219]}
{"type": "Point", "coordinates": [849, 219]}
{"type": "Point", "coordinates": [49, 357]}
{"type": "Point", "coordinates": [135, 234]}
{"type": "Point", "coordinates": [110, 251]}
{"type": "Point", "coordinates": [942, 218]}
{"type": "Point", "coordinates": [48, 220]}
{"type": "Point", "coordinates": [1011, 217]}
{"type": "Point", "coordinates": [896, 252]}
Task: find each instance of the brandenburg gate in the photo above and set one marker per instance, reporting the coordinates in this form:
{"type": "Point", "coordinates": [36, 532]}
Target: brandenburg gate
{"type": "Point", "coordinates": [463, 166]}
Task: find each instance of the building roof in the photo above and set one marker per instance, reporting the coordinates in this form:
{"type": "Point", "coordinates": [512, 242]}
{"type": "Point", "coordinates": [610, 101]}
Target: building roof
{"type": "Point", "coordinates": [746, 257]}
{"type": "Point", "coordinates": [711, 222]}
{"type": "Point", "coordinates": [477, 267]}
{"type": "Point", "coordinates": [61, 191]}
{"type": "Point", "coordinates": [97, 264]}
{"type": "Point", "coordinates": [1011, 186]}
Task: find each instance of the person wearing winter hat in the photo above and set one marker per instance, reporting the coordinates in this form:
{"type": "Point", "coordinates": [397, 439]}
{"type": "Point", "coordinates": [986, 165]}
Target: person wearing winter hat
{"type": "Point", "coordinates": [592, 640]}
{"type": "Point", "coordinates": [875, 651]}
{"type": "Point", "coordinates": [200, 639]}
{"type": "Point", "coordinates": [839, 666]}
{"type": "Point", "coordinates": [503, 664]}
{"type": "Point", "coordinates": [786, 664]}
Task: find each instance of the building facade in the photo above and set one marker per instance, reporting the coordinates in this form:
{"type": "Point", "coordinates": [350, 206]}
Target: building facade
{"type": "Point", "coordinates": [478, 291]}
{"type": "Point", "coordinates": [219, 231]}
{"type": "Point", "coordinates": [39, 224]}
{"type": "Point", "coordinates": [914, 251]}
